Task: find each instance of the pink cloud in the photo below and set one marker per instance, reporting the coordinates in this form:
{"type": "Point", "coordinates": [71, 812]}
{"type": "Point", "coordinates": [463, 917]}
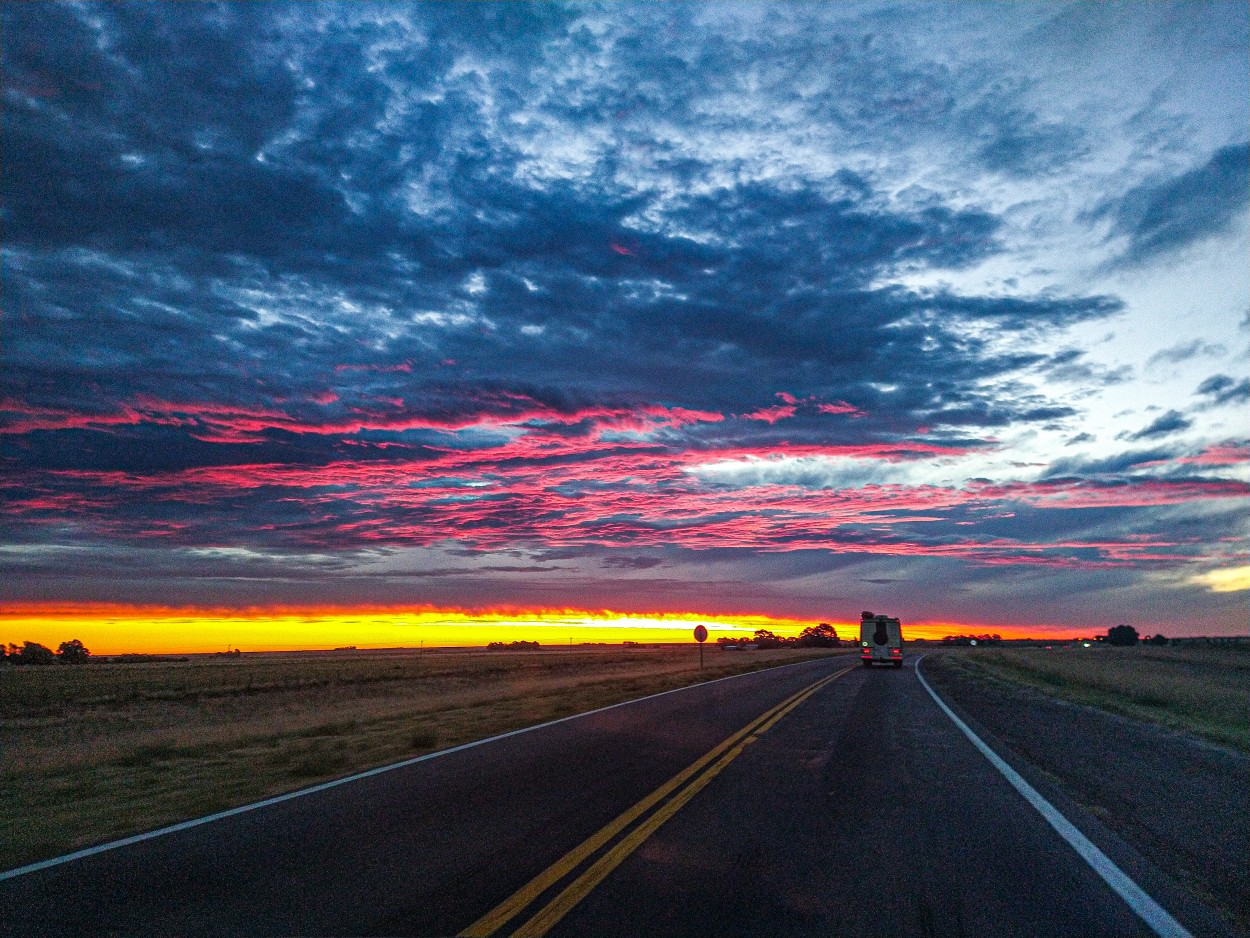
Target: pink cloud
{"type": "Point", "coordinates": [220, 422]}
{"type": "Point", "coordinates": [642, 496]}
{"type": "Point", "coordinates": [790, 405]}
{"type": "Point", "coordinates": [1232, 453]}
{"type": "Point", "coordinates": [842, 407]}
{"type": "Point", "coordinates": [771, 415]}
{"type": "Point", "coordinates": [542, 484]}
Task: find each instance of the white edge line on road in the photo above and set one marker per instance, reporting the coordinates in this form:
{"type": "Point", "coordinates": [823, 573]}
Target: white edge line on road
{"type": "Point", "coordinates": [1153, 914]}
{"type": "Point", "coordinates": [277, 799]}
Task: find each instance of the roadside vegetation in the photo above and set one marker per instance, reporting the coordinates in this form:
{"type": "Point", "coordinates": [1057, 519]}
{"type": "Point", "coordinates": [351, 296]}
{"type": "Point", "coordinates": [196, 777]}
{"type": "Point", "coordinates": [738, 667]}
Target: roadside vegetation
{"type": "Point", "coordinates": [815, 636]}
{"type": "Point", "coordinates": [1202, 690]}
{"type": "Point", "coordinates": [103, 750]}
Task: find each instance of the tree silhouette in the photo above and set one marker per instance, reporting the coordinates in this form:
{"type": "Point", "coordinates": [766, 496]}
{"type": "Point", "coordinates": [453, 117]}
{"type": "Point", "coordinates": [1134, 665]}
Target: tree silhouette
{"type": "Point", "coordinates": [766, 639]}
{"type": "Point", "coordinates": [34, 653]}
{"type": "Point", "coordinates": [73, 652]}
{"type": "Point", "coordinates": [818, 636]}
{"type": "Point", "coordinates": [1122, 635]}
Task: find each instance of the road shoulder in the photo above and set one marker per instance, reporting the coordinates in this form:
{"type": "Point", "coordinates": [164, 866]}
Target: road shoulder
{"type": "Point", "coordinates": [1167, 807]}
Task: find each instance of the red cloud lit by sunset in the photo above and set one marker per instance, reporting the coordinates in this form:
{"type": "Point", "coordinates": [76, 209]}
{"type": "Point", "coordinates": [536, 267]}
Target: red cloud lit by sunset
{"type": "Point", "coordinates": [545, 488]}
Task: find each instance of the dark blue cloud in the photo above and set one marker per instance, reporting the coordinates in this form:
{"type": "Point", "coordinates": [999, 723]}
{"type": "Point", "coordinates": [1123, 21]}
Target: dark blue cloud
{"type": "Point", "coordinates": [1071, 365]}
{"type": "Point", "coordinates": [1164, 425]}
{"type": "Point", "coordinates": [1018, 143]}
{"type": "Point", "coordinates": [170, 262]}
{"type": "Point", "coordinates": [1221, 389]}
{"type": "Point", "coordinates": [1184, 351]}
{"type": "Point", "coordinates": [1118, 464]}
{"type": "Point", "coordinates": [1158, 218]}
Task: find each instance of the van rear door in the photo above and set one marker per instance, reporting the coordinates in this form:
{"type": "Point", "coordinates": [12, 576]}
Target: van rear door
{"type": "Point", "coordinates": [880, 639]}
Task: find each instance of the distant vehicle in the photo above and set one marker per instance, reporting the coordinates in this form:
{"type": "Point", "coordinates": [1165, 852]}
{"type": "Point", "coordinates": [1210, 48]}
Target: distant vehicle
{"type": "Point", "coordinates": [880, 639]}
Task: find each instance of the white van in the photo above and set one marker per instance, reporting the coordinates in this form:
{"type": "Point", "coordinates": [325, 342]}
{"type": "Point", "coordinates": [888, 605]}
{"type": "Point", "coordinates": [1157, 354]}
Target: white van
{"type": "Point", "coordinates": [880, 639]}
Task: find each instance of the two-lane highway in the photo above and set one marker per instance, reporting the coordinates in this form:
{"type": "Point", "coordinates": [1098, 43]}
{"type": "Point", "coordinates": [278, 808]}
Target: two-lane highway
{"type": "Point", "coordinates": [817, 798]}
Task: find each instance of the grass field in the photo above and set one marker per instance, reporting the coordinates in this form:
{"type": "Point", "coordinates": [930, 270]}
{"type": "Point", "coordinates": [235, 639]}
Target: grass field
{"type": "Point", "coordinates": [98, 751]}
{"type": "Point", "coordinates": [1198, 689]}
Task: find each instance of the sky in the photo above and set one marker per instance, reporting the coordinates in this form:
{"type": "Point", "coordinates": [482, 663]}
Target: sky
{"type": "Point", "coordinates": [779, 310]}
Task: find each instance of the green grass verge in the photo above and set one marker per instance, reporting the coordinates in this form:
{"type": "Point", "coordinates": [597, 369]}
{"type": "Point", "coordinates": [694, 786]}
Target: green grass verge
{"type": "Point", "coordinates": [1204, 692]}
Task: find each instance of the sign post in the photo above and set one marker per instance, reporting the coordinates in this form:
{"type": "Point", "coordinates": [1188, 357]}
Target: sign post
{"type": "Point", "coordinates": [700, 636]}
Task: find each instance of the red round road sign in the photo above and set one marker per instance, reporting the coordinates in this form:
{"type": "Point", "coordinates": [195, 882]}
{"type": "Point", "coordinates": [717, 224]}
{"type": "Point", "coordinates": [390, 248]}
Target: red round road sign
{"type": "Point", "coordinates": [700, 634]}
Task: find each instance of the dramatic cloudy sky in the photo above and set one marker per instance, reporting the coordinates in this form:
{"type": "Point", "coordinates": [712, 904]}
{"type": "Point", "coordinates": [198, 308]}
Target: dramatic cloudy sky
{"type": "Point", "coordinates": [783, 309]}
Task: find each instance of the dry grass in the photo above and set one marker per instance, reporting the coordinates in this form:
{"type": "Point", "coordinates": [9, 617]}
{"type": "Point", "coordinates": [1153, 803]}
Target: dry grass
{"type": "Point", "coordinates": [1200, 690]}
{"type": "Point", "coordinates": [100, 751]}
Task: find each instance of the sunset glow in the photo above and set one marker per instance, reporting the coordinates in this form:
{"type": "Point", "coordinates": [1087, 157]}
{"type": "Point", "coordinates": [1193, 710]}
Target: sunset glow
{"type": "Point", "coordinates": [114, 630]}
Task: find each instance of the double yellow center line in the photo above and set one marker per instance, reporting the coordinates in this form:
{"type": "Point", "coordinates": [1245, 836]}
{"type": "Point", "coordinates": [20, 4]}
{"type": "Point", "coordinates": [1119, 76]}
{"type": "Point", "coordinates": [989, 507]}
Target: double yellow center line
{"type": "Point", "coordinates": [697, 775]}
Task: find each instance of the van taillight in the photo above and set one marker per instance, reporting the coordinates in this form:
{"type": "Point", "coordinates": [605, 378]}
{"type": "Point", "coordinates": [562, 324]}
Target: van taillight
{"type": "Point", "coordinates": [896, 651]}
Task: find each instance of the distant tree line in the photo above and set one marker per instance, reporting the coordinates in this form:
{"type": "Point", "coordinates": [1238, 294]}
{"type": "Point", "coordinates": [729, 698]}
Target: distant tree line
{"type": "Point", "coordinates": [815, 636]}
{"type": "Point", "coordinates": [514, 646]}
{"type": "Point", "coordinates": [71, 652]}
{"type": "Point", "coordinates": [1126, 635]}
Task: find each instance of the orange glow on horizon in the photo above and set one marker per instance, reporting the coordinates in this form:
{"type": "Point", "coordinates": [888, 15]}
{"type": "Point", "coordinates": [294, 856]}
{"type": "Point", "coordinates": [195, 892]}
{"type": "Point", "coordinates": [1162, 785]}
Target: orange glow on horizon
{"type": "Point", "coordinates": [111, 629]}
{"type": "Point", "coordinates": [120, 629]}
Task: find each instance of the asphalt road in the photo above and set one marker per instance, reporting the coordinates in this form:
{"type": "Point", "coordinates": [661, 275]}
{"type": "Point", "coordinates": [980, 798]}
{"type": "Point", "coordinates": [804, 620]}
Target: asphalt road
{"type": "Point", "coordinates": [858, 809]}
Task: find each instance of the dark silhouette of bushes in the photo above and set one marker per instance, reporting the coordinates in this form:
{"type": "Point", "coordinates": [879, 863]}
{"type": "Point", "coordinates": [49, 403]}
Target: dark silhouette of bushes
{"type": "Point", "coordinates": [71, 652]}
{"type": "Point", "coordinates": [514, 646]}
{"type": "Point", "coordinates": [31, 653]}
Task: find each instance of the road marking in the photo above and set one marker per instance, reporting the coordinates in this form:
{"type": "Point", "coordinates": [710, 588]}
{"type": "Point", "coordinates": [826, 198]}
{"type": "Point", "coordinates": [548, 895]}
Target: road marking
{"type": "Point", "coordinates": [565, 865]}
{"type": "Point", "coordinates": [1153, 914]}
{"type": "Point", "coordinates": [562, 904]}
{"type": "Point", "coordinates": [719, 757]}
{"type": "Point", "coordinates": [334, 783]}
{"type": "Point", "coordinates": [562, 867]}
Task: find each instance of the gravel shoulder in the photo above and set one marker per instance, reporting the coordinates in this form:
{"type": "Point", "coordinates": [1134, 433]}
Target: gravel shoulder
{"type": "Point", "coordinates": [1178, 800]}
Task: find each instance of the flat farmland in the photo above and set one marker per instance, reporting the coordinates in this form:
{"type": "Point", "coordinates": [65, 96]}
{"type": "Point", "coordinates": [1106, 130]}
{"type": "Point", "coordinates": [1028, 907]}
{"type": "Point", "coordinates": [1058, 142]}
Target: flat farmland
{"type": "Point", "coordinates": [103, 750]}
{"type": "Point", "coordinates": [1200, 690]}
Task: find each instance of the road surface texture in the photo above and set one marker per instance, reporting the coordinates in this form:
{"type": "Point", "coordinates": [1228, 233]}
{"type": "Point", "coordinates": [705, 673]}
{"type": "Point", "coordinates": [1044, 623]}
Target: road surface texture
{"type": "Point", "coordinates": [814, 799]}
